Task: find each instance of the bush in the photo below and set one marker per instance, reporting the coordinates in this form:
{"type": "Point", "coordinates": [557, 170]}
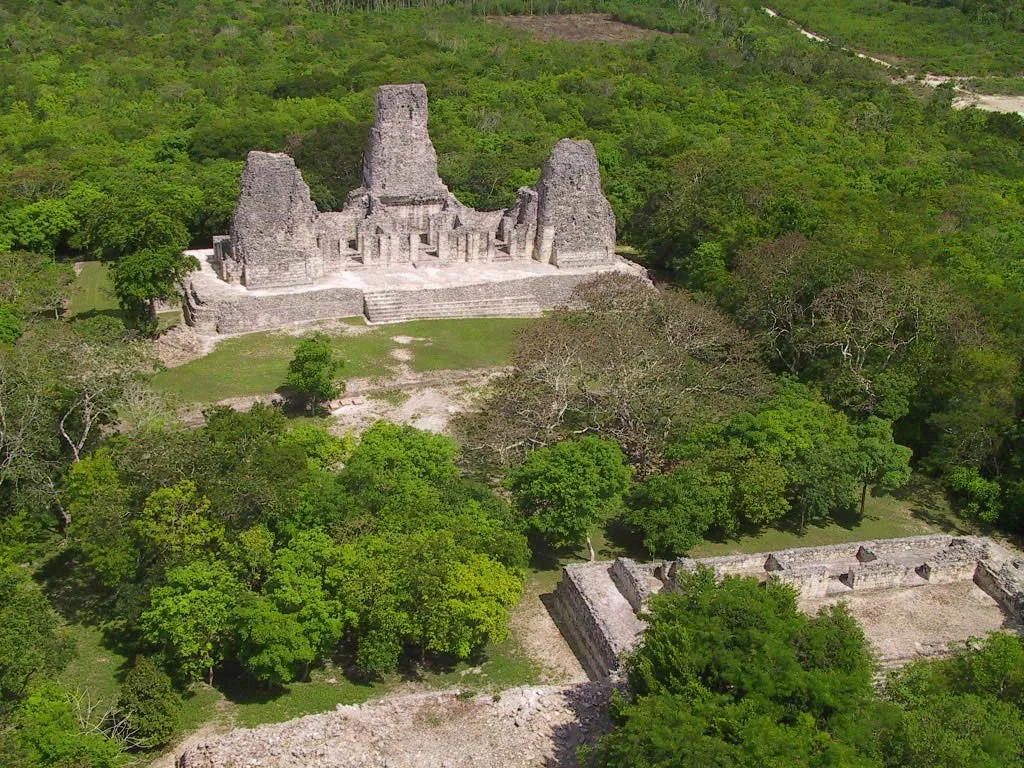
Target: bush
{"type": "Point", "coordinates": [976, 497]}
{"type": "Point", "coordinates": [311, 373]}
{"type": "Point", "coordinates": [150, 704]}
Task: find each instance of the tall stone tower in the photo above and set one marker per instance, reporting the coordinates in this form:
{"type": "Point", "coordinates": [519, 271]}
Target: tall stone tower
{"type": "Point", "coordinates": [400, 164]}
{"type": "Point", "coordinates": [575, 222]}
{"type": "Point", "coordinates": [273, 232]}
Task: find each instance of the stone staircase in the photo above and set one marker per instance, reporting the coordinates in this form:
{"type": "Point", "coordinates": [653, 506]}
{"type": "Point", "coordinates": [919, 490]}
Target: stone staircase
{"type": "Point", "coordinates": [399, 306]}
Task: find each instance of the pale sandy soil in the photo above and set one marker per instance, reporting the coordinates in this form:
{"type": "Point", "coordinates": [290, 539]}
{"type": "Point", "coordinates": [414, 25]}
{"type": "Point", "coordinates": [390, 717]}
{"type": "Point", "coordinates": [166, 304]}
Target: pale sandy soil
{"type": "Point", "coordinates": [529, 727]}
{"type": "Point", "coordinates": [535, 631]}
{"type": "Point", "coordinates": [903, 624]}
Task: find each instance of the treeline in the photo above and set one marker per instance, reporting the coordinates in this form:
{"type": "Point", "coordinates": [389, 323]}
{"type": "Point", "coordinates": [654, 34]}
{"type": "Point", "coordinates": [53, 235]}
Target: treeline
{"type": "Point", "coordinates": [1007, 12]}
{"type": "Point", "coordinates": [732, 674]}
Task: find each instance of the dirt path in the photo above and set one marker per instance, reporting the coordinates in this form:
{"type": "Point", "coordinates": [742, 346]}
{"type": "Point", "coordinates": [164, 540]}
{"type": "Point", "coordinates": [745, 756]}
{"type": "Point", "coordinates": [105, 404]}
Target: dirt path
{"type": "Point", "coordinates": [963, 98]}
{"type": "Point", "coordinates": [538, 636]}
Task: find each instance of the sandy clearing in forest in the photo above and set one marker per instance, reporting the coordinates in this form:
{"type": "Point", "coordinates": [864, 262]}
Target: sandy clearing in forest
{"type": "Point", "coordinates": [577, 28]}
{"type": "Point", "coordinates": [964, 97]}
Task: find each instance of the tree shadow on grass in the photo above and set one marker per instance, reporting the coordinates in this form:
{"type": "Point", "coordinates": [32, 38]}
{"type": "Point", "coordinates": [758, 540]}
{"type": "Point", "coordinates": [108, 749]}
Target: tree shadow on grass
{"type": "Point", "coordinates": [943, 522]}
{"type": "Point", "coordinates": [73, 595]}
{"type": "Point", "coordinates": [622, 541]}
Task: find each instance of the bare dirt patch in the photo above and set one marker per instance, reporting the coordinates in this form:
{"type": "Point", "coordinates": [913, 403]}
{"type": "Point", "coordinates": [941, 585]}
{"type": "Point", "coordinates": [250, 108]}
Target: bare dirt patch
{"type": "Point", "coordinates": [525, 727]}
{"type": "Point", "coordinates": [577, 28]}
{"type": "Point", "coordinates": [914, 622]}
{"type": "Point", "coordinates": [540, 639]}
{"type": "Point", "coordinates": [422, 400]}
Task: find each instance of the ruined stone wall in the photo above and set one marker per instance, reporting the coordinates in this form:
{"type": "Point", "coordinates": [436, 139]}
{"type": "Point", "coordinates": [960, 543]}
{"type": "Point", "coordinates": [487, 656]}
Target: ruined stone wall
{"type": "Point", "coordinates": [632, 581]}
{"type": "Point", "coordinates": [534, 294]}
{"type": "Point", "coordinates": [583, 624]}
{"type": "Point", "coordinates": [868, 567]}
{"type": "Point", "coordinates": [245, 314]}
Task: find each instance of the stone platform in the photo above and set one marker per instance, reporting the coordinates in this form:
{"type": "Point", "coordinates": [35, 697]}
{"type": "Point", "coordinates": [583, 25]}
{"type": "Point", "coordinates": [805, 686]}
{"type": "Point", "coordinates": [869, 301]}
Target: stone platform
{"type": "Point", "coordinates": [413, 292]}
{"type": "Point", "coordinates": [915, 597]}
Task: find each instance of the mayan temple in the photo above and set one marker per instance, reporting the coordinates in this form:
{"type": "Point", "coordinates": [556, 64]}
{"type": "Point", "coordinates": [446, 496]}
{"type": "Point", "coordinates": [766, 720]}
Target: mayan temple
{"type": "Point", "coordinates": [403, 246]}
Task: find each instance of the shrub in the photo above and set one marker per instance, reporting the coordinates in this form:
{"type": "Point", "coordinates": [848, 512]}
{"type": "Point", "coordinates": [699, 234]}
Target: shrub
{"type": "Point", "coordinates": [150, 704]}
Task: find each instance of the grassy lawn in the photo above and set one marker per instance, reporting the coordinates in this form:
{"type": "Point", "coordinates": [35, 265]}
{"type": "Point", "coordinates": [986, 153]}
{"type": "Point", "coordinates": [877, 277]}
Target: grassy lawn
{"type": "Point", "coordinates": [93, 293]}
{"type": "Point", "coordinates": [885, 517]}
{"type": "Point", "coordinates": [95, 669]}
{"type": "Point", "coordinates": [256, 363]}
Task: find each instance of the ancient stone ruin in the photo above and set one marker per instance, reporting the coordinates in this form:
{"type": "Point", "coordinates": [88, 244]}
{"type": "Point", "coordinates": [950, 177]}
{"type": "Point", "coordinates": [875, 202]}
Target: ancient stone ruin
{"type": "Point", "coordinates": [915, 596]}
{"type": "Point", "coordinates": [402, 246]}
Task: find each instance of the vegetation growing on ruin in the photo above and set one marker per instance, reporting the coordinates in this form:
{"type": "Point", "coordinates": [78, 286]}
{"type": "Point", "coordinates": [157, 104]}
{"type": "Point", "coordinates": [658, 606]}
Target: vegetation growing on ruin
{"type": "Point", "coordinates": [734, 674]}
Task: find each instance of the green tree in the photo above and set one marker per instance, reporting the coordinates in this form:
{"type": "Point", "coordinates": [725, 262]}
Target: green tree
{"type": "Point", "coordinates": [272, 645]}
{"type": "Point", "coordinates": [884, 463]}
{"type": "Point", "coordinates": [192, 616]}
{"type": "Point", "coordinates": [98, 502]}
{"type": "Point", "coordinates": [49, 730]}
{"type": "Point", "coordinates": [566, 488]}
{"type": "Point", "coordinates": [32, 642]}
{"type": "Point", "coordinates": [312, 373]}
{"type": "Point", "coordinates": [175, 525]}
{"type": "Point", "coordinates": [144, 277]}
{"type": "Point", "coordinates": [674, 511]}
{"type": "Point", "coordinates": [148, 704]}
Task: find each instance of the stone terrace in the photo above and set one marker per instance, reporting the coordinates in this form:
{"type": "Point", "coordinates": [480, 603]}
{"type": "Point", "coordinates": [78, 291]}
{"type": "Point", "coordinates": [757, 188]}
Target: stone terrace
{"type": "Point", "coordinates": [915, 596]}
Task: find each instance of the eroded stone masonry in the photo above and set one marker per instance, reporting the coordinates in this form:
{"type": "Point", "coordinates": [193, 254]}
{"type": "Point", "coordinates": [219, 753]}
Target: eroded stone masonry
{"type": "Point", "coordinates": [914, 596]}
{"type": "Point", "coordinates": [403, 246]}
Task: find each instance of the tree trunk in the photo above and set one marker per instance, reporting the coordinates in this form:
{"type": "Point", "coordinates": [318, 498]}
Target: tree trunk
{"type": "Point", "coordinates": [590, 548]}
{"type": "Point", "coordinates": [209, 675]}
{"type": "Point", "coordinates": [152, 310]}
{"type": "Point", "coordinates": [863, 497]}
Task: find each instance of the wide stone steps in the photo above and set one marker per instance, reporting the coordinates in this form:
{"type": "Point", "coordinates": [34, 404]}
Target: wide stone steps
{"type": "Point", "coordinates": [399, 306]}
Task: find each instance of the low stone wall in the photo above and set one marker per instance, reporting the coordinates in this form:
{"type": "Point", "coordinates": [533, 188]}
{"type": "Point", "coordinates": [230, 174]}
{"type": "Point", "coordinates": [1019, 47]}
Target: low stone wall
{"type": "Point", "coordinates": [876, 574]}
{"type": "Point", "coordinates": [631, 581]}
{"type": "Point", "coordinates": [248, 313]}
{"type": "Point", "coordinates": [583, 625]}
{"type": "Point", "coordinates": [597, 625]}
{"type": "Point", "coordinates": [808, 580]}
{"type": "Point", "coordinates": [1005, 583]}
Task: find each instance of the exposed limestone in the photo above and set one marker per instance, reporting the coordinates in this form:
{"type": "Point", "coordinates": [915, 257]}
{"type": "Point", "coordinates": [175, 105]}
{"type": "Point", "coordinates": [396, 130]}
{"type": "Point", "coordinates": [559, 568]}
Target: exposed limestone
{"type": "Point", "coordinates": [400, 161]}
{"type": "Point", "coordinates": [575, 223]}
{"type": "Point", "coordinates": [273, 231]}
{"type": "Point", "coordinates": [404, 218]}
{"type": "Point", "coordinates": [601, 626]}
{"type": "Point", "coordinates": [524, 727]}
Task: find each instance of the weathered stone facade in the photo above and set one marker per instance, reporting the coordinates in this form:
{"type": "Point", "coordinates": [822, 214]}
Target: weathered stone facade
{"type": "Point", "coordinates": [404, 215]}
{"type": "Point", "coordinates": [599, 606]}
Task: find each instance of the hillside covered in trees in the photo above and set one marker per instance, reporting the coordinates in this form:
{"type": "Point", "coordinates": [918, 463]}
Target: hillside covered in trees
{"type": "Point", "coordinates": [841, 304]}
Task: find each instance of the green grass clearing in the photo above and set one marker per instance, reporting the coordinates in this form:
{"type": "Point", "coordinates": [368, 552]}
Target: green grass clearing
{"type": "Point", "coordinates": [917, 510]}
{"type": "Point", "coordinates": [95, 669]}
{"type": "Point", "coordinates": [92, 292]}
{"type": "Point", "coordinates": [885, 517]}
{"type": "Point", "coordinates": [256, 363]}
